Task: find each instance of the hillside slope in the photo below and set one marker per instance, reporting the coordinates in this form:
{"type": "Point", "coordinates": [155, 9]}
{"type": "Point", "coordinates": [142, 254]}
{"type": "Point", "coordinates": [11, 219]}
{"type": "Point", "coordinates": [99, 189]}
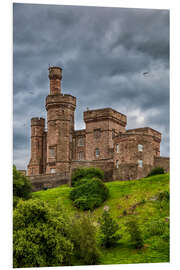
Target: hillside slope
{"type": "Point", "coordinates": [137, 199]}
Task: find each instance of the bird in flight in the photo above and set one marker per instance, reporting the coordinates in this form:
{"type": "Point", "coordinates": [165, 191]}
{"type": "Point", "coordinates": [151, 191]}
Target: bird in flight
{"type": "Point", "coordinates": [145, 73]}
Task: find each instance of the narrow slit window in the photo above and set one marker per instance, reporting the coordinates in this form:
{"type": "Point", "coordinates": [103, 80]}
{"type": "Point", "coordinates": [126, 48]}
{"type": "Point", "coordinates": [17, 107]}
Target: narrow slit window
{"type": "Point", "coordinates": [117, 164]}
{"type": "Point", "coordinates": [117, 148]}
{"type": "Point", "coordinates": [97, 133]}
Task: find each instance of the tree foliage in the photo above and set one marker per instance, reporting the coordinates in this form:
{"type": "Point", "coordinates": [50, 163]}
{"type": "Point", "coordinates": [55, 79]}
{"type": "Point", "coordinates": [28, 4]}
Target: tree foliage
{"type": "Point", "coordinates": [88, 173]}
{"type": "Point", "coordinates": [136, 238]}
{"type": "Point", "coordinates": [157, 170]}
{"type": "Point", "coordinates": [109, 234]}
{"type": "Point", "coordinates": [83, 235]}
{"type": "Point", "coordinates": [39, 236]}
{"type": "Point", "coordinates": [90, 194]}
{"type": "Point", "coordinates": [21, 185]}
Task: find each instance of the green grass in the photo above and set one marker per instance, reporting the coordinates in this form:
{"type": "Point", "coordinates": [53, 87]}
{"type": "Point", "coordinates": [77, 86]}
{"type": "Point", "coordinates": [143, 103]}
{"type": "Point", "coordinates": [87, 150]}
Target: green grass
{"type": "Point", "coordinates": [124, 195]}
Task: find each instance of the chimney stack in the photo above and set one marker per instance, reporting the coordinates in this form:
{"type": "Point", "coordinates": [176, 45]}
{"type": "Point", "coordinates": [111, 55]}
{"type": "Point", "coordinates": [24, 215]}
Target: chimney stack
{"type": "Point", "coordinates": [55, 77]}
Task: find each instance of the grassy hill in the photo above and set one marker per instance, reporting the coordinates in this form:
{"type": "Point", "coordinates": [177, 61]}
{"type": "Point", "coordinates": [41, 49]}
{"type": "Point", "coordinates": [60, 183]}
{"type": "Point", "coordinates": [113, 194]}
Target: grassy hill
{"type": "Point", "coordinates": [137, 199]}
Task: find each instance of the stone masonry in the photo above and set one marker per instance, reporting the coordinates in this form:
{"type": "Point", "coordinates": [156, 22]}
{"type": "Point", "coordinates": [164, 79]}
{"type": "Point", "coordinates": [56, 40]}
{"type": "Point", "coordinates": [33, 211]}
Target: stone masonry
{"type": "Point", "coordinates": [105, 142]}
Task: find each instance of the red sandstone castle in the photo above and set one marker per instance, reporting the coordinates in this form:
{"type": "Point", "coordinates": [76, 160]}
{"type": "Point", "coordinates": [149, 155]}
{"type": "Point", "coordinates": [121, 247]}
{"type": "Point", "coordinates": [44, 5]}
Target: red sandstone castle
{"type": "Point", "coordinates": [104, 143]}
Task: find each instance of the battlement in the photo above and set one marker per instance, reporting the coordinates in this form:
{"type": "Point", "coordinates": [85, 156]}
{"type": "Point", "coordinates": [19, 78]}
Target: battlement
{"type": "Point", "coordinates": [36, 121]}
{"type": "Point", "coordinates": [105, 114]}
{"type": "Point", "coordinates": [60, 99]}
{"type": "Point", "coordinates": [146, 131]}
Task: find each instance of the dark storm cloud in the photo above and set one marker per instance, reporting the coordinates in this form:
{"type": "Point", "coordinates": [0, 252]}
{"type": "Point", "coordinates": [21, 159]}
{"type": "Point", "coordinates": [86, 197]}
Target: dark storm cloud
{"type": "Point", "coordinates": [104, 53]}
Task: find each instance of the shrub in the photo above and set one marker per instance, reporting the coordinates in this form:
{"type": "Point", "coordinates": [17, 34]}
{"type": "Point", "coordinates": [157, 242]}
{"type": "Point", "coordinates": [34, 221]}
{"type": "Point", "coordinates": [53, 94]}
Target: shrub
{"type": "Point", "coordinates": [83, 235]}
{"type": "Point", "coordinates": [156, 227]}
{"type": "Point", "coordinates": [15, 201]}
{"type": "Point", "coordinates": [164, 195]}
{"type": "Point", "coordinates": [21, 185]}
{"type": "Point", "coordinates": [135, 234]}
{"type": "Point", "coordinates": [108, 230]}
{"type": "Point", "coordinates": [87, 173]}
{"type": "Point", "coordinates": [90, 194]}
{"type": "Point", "coordinates": [39, 236]}
{"type": "Point", "coordinates": [157, 170]}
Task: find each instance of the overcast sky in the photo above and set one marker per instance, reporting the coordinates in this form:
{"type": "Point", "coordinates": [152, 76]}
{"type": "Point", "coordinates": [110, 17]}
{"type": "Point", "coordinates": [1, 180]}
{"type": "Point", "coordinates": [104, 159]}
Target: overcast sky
{"type": "Point", "coordinates": [111, 57]}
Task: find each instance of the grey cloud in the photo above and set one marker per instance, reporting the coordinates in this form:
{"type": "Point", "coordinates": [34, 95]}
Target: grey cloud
{"type": "Point", "coordinates": [103, 51]}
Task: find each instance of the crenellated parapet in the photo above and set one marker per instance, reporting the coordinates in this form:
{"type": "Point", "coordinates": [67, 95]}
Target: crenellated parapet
{"type": "Point", "coordinates": [60, 100]}
{"type": "Point", "coordinates": [147, 131]}
{"type": "Point", "coordinates": [104, 114]}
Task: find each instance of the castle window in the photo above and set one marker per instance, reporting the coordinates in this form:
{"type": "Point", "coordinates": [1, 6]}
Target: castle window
{"type": "Point", "coordinates": [140, 147]}
{"type": "Point", "coordinates": [70, 138]}
{"type": "Point", "coordinates": [117, 148]}
{"type": "Point", "coordinates": [113, 133]}
{"type": "Point", "coordinates": [52, 152]}
{"type": "Point", "coordinates": [117, 164]}
{"type": "Point", "coordinates": [81, 142]}
{"type": "Point", "coordinates": [97, 152]}
{"type": "Point", "coordinates": [53, 170]}
{"type": "Point", "coordinates": [97, 133]}
{"type": "Point", "coordinates": [140, 163]}
{"type": "Point", "coordinates": [81, 155]}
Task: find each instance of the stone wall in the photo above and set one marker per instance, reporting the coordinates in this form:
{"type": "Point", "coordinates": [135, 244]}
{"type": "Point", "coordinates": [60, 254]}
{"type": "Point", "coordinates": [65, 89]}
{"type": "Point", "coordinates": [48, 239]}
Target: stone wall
{"type": "Point", "coordinates": [105, 165]}
{"type": "Point", "coordinates": [162, 162]}
{"type": "Point", "coordinates": [39, 182]}
{"type": "Point", "coordinates": [130, 171]}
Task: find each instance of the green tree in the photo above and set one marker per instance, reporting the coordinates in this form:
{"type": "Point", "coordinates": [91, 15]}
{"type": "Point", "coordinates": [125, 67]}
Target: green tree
{"type": "Point", "coordinates": [87, 173]}
{"type": "Point", "coordinates": [135, 234]}
{"type": "Point", "coordinates": [82, 233]}
{"type": "Point", "coordinates": [90, 194]}
{"type": "Point", "coordinates": [108, 230]}
{"type": "Point", "coordinates": [39, 236]}
{"type": "Point", "coordinates": [21, 185]}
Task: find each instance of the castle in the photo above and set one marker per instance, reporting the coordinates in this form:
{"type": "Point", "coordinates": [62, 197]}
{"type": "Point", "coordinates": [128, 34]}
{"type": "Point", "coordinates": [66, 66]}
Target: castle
{"type": "Point", "coordinates": [105, 142]}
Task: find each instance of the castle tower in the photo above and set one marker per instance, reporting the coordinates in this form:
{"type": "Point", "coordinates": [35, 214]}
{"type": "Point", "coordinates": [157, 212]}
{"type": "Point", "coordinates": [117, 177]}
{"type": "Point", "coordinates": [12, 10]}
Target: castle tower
{"type": "Point", "coordinates": [60, 122]}
{"type": "Point", "coordinates": [35, 166]}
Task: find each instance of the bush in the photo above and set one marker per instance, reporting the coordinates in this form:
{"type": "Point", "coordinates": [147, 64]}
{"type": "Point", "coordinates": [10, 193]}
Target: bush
{"type": "Point", "coordinates": [90, 194]}
{"type": "Point", "coordinates": [156, 227]}
{"type": "Point", "coordinates": [87, 173]}
{"type": "Point", "coordinates": [108, 230]}
{"type": "Point", "coordinates": [15, 201]}
{"type": "Point", "coordinates": [157, 170]}
{"type": "Point", "coordinates": [135, 234]}
{"type": "Point", "coordinates": [21, 185]}
{"type": "Point", "coordinates": [39, 236]}
{"type": "Point", "coordinates": [83, 235]}
{"type": "Point", "coordinates": [164, 196]}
